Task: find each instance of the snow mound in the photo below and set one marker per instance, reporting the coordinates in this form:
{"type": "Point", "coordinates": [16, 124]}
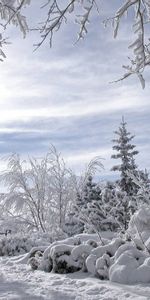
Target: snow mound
{"type": "Point", "coordinates": [131, 266]}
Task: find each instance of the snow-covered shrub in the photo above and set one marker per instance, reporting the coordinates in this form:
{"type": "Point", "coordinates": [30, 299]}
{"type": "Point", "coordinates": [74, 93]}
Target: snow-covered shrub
{"type": "Point", "coordinates": [91, 264]}
{"type": "Point", "coordinates": [34, 261]}
{"type": "Point", "coordinates": [75, 254]}
{"type": "Point", "coordinates": [62, 260]}
{"type": "Point", "coordinates": [140, 221]}
{"type": "Point", "coordinates": [132, 266]}
{"type": "Point", "coordinates": [102, 266]}
{"type": "Point", "coordinates": [118, 260]}
{"type": "Point", "coordinates": [15, 244]}
{"type": "Point", "coordinates": [92, 243]}
{"type": "Point", "coordinates": [65, 256]}
{"type": "Point", "coordinates": [80, 253]}
{"type": "Point", "coordinates": [99, 261]}
{"type": "Point", "coordinates": [109, 249]}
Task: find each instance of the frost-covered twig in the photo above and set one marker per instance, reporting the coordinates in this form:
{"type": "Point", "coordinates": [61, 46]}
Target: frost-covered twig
{"type": "Point", "coordinates": [141, 51]}
{"type": "Point", "coordinates": [58, 14]}
{"type": "Point", "coordinates": [10, 13]}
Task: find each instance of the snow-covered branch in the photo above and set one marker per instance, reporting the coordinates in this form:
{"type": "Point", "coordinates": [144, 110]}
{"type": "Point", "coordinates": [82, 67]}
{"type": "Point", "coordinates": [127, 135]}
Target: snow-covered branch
{"type": "Point", "coordinates": [140, 47]}
{"type": "Point", "coordinates": [81, 11]}
{"type": "Point", "coordinates": [10, 13]}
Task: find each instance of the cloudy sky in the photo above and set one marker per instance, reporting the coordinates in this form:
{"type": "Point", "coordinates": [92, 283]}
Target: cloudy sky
{"type": "Point", "coordinates": [62, 96]}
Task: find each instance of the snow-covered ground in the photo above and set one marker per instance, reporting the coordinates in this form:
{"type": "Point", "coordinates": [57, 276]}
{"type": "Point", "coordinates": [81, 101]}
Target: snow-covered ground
{"type": "Point", "coordinates": [18, 281]}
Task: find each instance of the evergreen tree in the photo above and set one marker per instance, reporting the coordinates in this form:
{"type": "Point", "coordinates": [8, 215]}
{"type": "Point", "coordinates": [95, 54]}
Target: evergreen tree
{"type": "Point", "coordinates": [116, 205]}
{"type": "Point", "coordinates": [109, 205]}
{"type": "Point", "coordinates": [122, 210]}
{"type": "Point", "coordinates": [91, 192]}
{"type": "Point", "coordinates": [88, 208]}
{"type": "Point", "coordinates": [94, 211]}
{"type": "Point", "coordinates": [125, 152]}
{"type": "Point", "coordinates": [73, 223]}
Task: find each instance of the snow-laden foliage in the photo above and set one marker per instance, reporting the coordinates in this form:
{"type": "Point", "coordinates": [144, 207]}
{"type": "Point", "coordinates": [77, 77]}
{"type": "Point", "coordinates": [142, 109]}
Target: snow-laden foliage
{"type": "Point", "coordinates": [16, 244]}
{"type": "Point", "coordinates": [140, 47]}
{"type": "Point", "coordinates": [119, 260]}
{"type": "Point", "coordinates": [39, 191]}
{"type": "Point", "coordinates": [141, 180]}
{"type": "Point", "coordinates": [130, 266]}
{"type": "Point", "coordinates": [140, 223]}
{"type": "Point", "coordinates": [11, 13]}
{"type": "Point", "coordinates": [82, 11]}
{"type": "Point", "coordinates": [41, 195]}
{"type": "Point", "coordinates": [125, 152]}
{"type": "Point", "coordinates": [101, 208]}
{"type": "Point", "coordinates": [86, 192]}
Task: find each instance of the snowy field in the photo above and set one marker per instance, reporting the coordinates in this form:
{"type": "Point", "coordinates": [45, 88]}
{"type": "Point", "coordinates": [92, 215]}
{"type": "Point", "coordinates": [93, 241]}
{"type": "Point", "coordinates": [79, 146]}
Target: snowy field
{"type": "Point", "coordinates": [18, 281]}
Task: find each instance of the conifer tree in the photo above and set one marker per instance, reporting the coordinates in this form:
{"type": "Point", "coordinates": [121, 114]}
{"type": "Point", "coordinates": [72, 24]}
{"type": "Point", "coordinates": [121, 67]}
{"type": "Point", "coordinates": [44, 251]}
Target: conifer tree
{"type": "Point", "coordinates": [94, 211]}
{"type": "Point", "coordinates": [109, 205]}
{"type": "Point", "coordinates": [87, 212]}
{"type": "Point", "coordinates": [125, 152]}
{"type": "Point", "coordinates": [91, 192]}
{"type": "Point", "coordinates": [74, 225]}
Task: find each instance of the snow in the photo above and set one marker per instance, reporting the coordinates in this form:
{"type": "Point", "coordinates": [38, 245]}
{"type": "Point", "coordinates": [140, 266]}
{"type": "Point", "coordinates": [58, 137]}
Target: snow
{"type": "Point", "coordinates": [130, 267]}
{"type": "Point", "coordinates": [59, 271]}
{"type": "Point", "coordinates": [18, 281]}
{"type": "Point", "coordinates": [91, 263]}
{"type": "Point", "coordinates": [109, 248]}
{"type": "Point", "coordinates": [140, 220]}
{"type": "Point", "coordinates": [81, 251]}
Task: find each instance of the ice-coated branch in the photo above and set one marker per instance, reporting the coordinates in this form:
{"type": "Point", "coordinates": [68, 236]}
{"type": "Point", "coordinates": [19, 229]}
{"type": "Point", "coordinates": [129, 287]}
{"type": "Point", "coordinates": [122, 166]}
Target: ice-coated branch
{"type": "Point", "coordinates": [58, 12]}
{"type": "Point", "coordinates": [141, 51]}
{"type": "Point", "coordinates": [10, 13]}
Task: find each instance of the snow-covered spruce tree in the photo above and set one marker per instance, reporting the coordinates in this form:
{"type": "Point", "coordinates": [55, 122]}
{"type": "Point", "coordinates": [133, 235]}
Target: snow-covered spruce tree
{"type": "Point", "coordinates": [125, 153]}
{"type": "Point", "coordinates": [122, 211]}
{"type": "Point", "coordinates": [109, 203]}
{"type": "Point", "coordinates": [87, 212]}
{"type": "Point", "coordinates": [85, 192]}
{"type": "Point", "coordinates": [73, 223]}
{"type": "Point", "coordinates": [91, 192]}
{"type": "Point", "coordinates": [92, 212]}
{"type": "Point", "coordinates": [95, 216]}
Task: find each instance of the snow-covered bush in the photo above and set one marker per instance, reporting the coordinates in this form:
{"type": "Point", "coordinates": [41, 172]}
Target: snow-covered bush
{"type": "Point", "coordinates": [132, 266]}
{"type": "Point", "coordinates": [140, 221]}
{"type": "Point", "coordinates": [62, 259]}
{"type": "Point", "coordinates": [75, 254]}
{"type": "Point", "coordinates": [118, 260]}
{"type": "Point", "coordinates": [15, 244]}
{"type": "Point", "coordinates": [65, 256]}
{"type": "Point", "coordinates": [99, 261]}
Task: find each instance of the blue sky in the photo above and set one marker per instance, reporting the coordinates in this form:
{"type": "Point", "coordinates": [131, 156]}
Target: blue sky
{"type": "Point", "coordinates": [63, 95]}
